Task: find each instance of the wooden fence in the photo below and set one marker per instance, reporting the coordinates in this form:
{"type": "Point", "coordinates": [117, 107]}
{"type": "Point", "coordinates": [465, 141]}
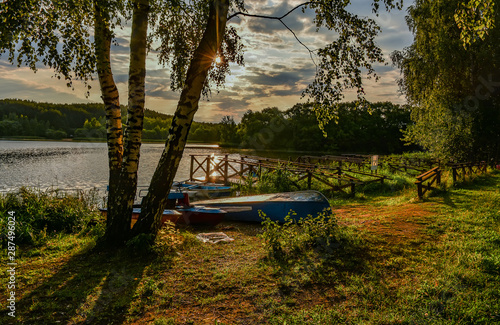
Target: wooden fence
{"type": "Point", "coordinates": [249, 169]}
{"type": "Point", "coordinates": [349, 161]}
{"type": "Point", "coordinates": [426, 180]}
{"type": "Point", "coordinates": [463, 170]}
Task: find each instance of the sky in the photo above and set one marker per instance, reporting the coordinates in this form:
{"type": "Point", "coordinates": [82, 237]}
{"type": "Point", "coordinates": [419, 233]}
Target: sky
{"type": "Point", "coordinates": [277, 68]}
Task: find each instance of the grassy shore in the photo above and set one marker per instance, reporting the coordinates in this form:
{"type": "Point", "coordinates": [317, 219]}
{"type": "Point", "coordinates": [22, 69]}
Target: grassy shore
{"type": "Point", "coordinates": [391, 259]}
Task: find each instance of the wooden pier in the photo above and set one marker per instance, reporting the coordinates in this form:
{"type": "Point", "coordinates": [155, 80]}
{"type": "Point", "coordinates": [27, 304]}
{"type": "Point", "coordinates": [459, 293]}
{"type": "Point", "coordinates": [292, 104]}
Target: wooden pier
{"type": "Point", "coordinates": [249, 169]}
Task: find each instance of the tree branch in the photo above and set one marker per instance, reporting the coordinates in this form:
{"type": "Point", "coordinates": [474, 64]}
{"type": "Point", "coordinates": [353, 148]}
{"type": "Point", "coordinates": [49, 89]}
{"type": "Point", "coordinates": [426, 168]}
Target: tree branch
{"type": "Point", "coordinates": [298, 40]}
{"type": "Point", "coordinates": [268, 17]}
{"type": "Point", "coordinates": [281, 20]}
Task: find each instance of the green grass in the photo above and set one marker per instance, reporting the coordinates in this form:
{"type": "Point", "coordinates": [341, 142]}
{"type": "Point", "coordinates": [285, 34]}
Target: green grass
{"type": "Point", "coordinates": [394, 260]}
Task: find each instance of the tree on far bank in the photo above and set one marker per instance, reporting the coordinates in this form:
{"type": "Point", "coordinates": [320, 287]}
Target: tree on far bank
{"type": "Point", "coordinates": [74, 38]}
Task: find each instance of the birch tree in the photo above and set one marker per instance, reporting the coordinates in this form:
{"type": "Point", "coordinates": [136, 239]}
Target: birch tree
{"type": "Point", "coordinates": [74, 38]}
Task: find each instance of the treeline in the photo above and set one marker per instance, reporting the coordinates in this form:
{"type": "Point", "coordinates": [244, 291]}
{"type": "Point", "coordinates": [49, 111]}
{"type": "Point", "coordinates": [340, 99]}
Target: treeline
{"type": "Point", "coordinates": [45, 120]}
{"type": "Point", "coordinates": [376, 128]}
{"type": "Point", "coordinates": [21, 118]}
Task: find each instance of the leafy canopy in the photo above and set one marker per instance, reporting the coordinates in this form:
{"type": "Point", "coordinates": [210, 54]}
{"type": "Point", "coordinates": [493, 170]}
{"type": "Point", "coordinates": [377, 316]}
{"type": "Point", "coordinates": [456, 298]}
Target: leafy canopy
{"type": "Point", "coordinates": [453, 89]}
{"type": "Point", "coordinates": [58, 34]}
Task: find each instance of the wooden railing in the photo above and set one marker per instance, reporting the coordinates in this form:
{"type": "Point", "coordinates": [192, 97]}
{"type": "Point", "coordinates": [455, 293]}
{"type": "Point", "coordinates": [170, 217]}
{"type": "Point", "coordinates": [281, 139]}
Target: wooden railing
{"type": "Point", "coordinates": [341, 161]}
{"type": "Point", "coordinates": [426, 180]}
{"type": "Point", "coordinates": [463, 170]}
{"type": "Point", "coordinates": [249, 169]}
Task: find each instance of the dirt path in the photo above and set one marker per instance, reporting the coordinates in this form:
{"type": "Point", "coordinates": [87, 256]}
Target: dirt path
{"type": "Point", "coordinates": [395, 223]}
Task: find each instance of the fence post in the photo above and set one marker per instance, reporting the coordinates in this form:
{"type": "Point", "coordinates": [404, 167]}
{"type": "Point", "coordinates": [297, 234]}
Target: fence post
{"type": "Point", "coordinates": [207, 176]}
{"type": "Point", "coordinates": [454, 172]}
{"type": "Point", "coordinates": [309, 178]}
{"type": "Point", "coordinates": [226, 170]}
{"type": "Point", "coordinates": [241, 168]}
{"type": "Point", "coordinates": [419, 188]}
{"type": "Point", "coordinates": [191, 169]}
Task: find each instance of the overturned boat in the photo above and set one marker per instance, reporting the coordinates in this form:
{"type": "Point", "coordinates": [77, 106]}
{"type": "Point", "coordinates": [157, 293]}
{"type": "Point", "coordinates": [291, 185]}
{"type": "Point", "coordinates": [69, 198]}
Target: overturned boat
{"type": "Point", "coordinates": [276, 206]}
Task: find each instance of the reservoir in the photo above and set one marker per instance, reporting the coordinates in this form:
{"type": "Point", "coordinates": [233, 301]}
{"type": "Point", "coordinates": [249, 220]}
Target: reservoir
{"type": "Point", "coordinates": [80, 165]}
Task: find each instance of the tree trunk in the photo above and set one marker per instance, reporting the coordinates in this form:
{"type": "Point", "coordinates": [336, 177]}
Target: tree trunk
{"type": "Point", "coordinates": [124, 157]}
{"type": "Point", "coordinates": [111, 99]}
{"type": "Point", "coordinates": [155, 201]}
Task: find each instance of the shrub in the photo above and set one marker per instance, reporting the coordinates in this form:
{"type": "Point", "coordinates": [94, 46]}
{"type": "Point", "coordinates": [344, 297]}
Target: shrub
{"type": "Point", "coordinates": [43, 213]}
{"type": "Point", "coordinates": [271, 181]}
{"type": "Point", "coordinates": [310, 249]}
{"type": "Point", "coordinates": [293, 238]}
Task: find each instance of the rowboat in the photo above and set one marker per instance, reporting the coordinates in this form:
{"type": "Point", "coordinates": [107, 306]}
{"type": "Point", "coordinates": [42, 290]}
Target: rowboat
{"type": "Point", "coordinates": [275, 206]}
{"type": "Point", "coordinates": [184, 213]}
{"type": "Point", "coordinates": [199, 191]}
{"type": "Point", "coordinates": [195, 190]}
{"type": "Point", "coordinates": [198, 216]}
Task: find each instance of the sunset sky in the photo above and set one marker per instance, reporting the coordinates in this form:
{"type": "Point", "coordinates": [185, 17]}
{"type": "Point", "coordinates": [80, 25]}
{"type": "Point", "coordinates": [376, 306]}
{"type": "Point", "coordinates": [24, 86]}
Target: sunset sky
{"type": "Point", "coordinates": [277, 68]}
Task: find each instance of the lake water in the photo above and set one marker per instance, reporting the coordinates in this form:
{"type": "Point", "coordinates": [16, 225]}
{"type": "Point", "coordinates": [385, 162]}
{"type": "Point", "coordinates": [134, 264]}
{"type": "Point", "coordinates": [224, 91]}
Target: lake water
{"type": "Point", "coordinates": [78, 165]}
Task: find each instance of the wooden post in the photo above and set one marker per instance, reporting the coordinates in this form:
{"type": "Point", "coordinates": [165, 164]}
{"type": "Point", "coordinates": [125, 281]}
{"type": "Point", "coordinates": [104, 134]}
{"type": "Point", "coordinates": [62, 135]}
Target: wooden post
{"type": "Point", "coordinates": [207, 177]}
{"type": "Point", "coordinates": [226, 170]}
{"type": "Point", "coordinates": [191, 169]}
{"type": "Point", "coordinates": [309, 179]}
{"type": "Point", "coordinates": [242, 166]}
{"type": "Point", "coordinates": [419, 188]}
{"type": "Point", "coordinates": [353, 189]}
{"type": "Point", "coordinates": [454, 172]}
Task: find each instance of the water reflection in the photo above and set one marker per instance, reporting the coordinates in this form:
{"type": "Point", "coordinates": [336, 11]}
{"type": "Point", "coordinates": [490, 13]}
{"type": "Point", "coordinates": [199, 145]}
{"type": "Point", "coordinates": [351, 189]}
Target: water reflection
{"type": "Point", "coordinates": [76, 165]}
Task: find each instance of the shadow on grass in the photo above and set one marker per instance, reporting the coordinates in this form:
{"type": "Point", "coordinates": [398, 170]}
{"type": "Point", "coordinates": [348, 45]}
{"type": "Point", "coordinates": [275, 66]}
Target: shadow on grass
{"type": "Point", "coordinates": [325, 262]}
{"type": "Point", "coordinates": [478, 182]}
{"type": "Point", "coordinates": [95, 287]}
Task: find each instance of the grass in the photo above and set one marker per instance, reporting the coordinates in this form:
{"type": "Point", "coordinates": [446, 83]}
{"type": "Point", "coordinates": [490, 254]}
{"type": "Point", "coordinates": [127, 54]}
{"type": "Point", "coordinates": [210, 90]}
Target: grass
{"type": "Point", "coordinates": [397, 260]}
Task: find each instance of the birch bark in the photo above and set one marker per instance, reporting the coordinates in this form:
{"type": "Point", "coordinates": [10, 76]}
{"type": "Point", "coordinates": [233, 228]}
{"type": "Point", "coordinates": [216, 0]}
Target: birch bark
{"type": "Point", "coordinates": [111, 99]}
{"type": "Point", "coordinates": [123, 149]}
{"type": "Point", "coordinates": [155, 201]}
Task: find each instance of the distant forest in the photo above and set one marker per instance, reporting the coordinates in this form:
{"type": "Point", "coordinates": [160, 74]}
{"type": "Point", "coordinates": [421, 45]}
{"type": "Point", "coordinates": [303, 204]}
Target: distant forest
{"type": "Point", "coordinates": [374, 129]}
{"type": "Point", "coordinates": [29, 119]}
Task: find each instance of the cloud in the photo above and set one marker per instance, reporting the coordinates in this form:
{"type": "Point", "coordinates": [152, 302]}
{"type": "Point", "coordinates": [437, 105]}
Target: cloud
{"type": "Point", "coordinates": [277, 68]}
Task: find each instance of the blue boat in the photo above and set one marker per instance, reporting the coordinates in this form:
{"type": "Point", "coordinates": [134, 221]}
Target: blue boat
{"type": "Point", "coordinates": [200, 191]}
{"type": "Point", "coordinates": [183, 213]}
{"type": "Point", "coordinates": [196, 191]}
{"type": "Point", "coordinates": [275, 206]}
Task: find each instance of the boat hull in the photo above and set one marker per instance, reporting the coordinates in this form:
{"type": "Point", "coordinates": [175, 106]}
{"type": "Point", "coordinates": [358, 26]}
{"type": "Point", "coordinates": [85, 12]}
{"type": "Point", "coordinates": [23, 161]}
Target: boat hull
{"type": "Point", "coordinates": [273, 206]}
{"type": "Point", "coordinates": [196, 216]}
{"type": "Point", "coordinates": [202, 216]}
{"type": "Point", "coordinates": [203, 191]}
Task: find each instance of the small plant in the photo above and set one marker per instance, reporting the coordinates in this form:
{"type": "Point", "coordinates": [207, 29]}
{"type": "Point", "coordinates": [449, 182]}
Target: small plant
{"type": "Point", "coordinates": [278, 180]}
{"type": "Point", "coordinates": [305, 248]}
{"type": "Point", "coordinates": [164, 321]}
{"type": "Point", "coordinates": [142, 243]}
{"type": "Point", "coordinates": [270, 181]}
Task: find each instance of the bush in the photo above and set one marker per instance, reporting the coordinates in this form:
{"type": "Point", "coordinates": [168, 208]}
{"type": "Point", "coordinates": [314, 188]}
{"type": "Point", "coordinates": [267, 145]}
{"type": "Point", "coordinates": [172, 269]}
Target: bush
{"type": "Point", "coordinates": [310, 249]}
{"type": "Point", "coordinates": [271, 181]}
{"type": "Point", "coordinates": [45, 213]}
{"type": "Point", "coordinates": [294, 240]}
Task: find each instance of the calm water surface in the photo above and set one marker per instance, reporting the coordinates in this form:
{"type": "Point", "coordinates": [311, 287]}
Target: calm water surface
{"type": "Point", "coordinates": [77, 165]}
